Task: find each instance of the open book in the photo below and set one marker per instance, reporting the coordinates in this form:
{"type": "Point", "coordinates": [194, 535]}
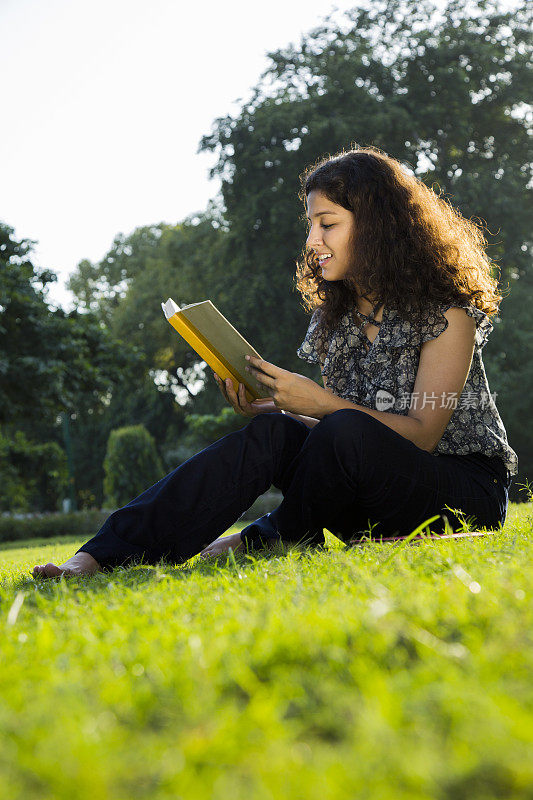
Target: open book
{"type": "Point", "coordinates": [215, 340]}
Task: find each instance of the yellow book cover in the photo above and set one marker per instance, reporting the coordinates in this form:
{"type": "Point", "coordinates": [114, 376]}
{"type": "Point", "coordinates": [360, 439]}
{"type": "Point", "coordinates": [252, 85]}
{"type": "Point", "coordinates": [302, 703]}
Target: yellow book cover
{"type": "Point", "coordinates": [215, 340]}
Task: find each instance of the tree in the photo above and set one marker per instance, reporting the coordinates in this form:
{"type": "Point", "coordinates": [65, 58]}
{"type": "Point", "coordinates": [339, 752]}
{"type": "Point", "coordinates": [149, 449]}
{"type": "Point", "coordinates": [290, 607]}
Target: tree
{"type": "Point", "coordinates": [445, 97]}
{"type": "Point", "coordinates": [441, 96]}
{"type": "Point", "coordinates": [50, 362]}
{"type": "Point", "coordinates": [48, 359]}
{"type": "Point", "coordinates": [508, 366]}
{"type": "Point", "coordinates": [126, 288]}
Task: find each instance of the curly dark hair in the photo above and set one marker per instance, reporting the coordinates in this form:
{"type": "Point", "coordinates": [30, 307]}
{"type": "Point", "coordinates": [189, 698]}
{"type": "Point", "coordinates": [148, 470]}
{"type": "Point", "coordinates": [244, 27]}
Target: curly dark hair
{"type": "Point", "coordinates": [412, 249]}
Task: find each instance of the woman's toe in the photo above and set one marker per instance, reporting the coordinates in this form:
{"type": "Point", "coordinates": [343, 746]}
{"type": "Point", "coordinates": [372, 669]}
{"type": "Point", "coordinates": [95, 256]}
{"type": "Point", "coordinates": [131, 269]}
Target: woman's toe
{"type": "Point", "coordinates": [49, 570]}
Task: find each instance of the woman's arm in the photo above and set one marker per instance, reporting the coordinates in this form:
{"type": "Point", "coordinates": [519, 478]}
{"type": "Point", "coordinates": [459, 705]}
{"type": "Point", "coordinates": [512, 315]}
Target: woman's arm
{"type": "Point", "coordinates": [442, 370]}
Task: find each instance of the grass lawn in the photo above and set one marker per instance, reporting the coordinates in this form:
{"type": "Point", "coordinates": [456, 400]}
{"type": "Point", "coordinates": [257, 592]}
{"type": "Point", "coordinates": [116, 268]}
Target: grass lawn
{"type": "Point", "coordinates": [376, 671]}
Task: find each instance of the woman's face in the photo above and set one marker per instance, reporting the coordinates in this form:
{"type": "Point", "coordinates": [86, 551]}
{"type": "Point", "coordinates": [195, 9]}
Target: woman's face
{"type": "Point", "coordinates": [330, 235]}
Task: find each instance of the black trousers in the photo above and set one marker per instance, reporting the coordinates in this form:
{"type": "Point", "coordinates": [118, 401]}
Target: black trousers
{"type": "Point", "coordinates": [348, 472]}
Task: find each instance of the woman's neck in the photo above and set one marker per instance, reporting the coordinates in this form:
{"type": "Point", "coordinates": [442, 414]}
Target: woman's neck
{"type": "Point", "coordinates": [365, 305]}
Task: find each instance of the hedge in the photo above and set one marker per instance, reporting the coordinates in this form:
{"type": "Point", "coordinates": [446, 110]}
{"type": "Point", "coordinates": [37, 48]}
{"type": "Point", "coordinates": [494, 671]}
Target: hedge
{"type": "Point", "coordinates": [77, 523]}
{"type": "Point", "coordinates": [86, 524]}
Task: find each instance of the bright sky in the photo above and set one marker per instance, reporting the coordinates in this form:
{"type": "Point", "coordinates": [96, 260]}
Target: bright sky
{"type": "Point", "coordinates": [105, 102]}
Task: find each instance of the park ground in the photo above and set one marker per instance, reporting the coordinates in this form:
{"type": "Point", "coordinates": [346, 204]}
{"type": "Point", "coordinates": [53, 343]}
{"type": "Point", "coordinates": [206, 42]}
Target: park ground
{"type": "Point", "coordinates": [374, 671]}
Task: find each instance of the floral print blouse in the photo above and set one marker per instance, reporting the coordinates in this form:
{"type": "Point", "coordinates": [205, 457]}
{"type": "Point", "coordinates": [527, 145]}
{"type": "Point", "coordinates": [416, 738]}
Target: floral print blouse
{"type": "Point", "coordinates": [382, 376]}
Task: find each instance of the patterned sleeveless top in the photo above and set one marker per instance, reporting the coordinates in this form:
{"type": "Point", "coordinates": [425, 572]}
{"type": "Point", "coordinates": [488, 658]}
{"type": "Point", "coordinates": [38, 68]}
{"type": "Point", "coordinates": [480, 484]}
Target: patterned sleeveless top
{"type": "Point", "coordinates": [382, 376]}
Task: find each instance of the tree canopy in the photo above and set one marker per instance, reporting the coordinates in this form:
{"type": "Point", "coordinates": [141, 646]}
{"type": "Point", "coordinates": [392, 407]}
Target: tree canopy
{"type": "Point", "coordinates": [49, 359]}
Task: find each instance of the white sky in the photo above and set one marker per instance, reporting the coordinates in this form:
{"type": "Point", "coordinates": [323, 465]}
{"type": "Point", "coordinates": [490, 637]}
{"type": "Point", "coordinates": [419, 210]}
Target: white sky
{"type": "Point", "coordinates": [104, 105]}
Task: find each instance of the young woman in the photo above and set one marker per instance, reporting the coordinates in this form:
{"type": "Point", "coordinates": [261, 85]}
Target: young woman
{"type": "Point", "coordinates": [405, 427]}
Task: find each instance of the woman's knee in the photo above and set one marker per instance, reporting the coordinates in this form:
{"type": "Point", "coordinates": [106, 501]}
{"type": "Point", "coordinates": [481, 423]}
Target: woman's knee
{"type": "Point", "coordinates": [273, 420]}
{"type": "Point", "coordinates": [279, 428]}
{"type": "Point", "coordinates": [345, 425]}
{"type": "Point", "coordinates": [356, 439]}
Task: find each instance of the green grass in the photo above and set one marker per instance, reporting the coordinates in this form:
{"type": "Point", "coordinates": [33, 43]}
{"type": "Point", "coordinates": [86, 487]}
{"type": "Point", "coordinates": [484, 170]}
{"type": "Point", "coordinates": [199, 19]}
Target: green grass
{"type": "Point", "coordinates": [378, 671]}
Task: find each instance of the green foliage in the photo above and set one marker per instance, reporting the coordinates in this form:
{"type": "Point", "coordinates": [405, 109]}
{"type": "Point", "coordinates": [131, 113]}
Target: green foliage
{"type": "Point", "coordinates": [210, 427]}
{"type": "Point", "coordinates": [299, 673]}
{"type": "Point", "coordinates": [436, 95]}
{"type": "Point", "coordinates": [131, 464]}
{"type": "Point", "coordinates": [142, 270]}
{"type": "Point", "coordinates": [200, 431]}
{"type": "Point", "coordinates": [31, 343]}
{"type": "Point", "coordinates": [132, 399]}
{"type": "Point", "coordinates": [509, 360]}
{"type": "Point", "coordinates": [49, 360]}
{"type": "Point", "coordinates": [32, 476]}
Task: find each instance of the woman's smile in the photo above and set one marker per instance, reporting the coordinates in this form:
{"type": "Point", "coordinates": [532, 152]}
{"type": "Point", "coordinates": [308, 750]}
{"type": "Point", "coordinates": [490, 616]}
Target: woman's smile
{"type": "Point", "coordinates": [332, 224]}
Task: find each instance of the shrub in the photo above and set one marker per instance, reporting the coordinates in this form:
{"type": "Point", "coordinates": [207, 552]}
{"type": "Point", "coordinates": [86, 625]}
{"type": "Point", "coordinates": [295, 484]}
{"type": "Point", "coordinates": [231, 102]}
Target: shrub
{"type": "Point", "coordinates": [32, 476]}
{"type": "Point", "coordinates": [131, 464]}
{"type": "Point", "coordinates": [210, 427]}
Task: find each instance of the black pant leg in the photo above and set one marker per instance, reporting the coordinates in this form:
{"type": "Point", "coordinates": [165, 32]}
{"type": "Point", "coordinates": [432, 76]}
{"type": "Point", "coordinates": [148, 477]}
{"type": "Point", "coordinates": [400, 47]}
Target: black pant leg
{"type": "Point", "coordinates": [198, 501]}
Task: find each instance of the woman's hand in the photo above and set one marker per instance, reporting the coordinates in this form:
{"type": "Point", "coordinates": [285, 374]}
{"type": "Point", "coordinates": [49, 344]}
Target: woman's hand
{"type": "Point", "coordinates": [240, 403]}
{"type": "Point", "coordinates": [222, 545]}
{"type": "Point", "coordinates": [290, 390]}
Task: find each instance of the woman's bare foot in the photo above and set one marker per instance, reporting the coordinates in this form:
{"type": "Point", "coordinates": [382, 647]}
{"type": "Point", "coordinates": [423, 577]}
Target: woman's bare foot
{"type": "Point", "coordinates": [80, 564]}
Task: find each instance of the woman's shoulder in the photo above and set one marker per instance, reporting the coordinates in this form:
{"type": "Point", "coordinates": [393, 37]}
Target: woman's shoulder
{"type": "Point", "coordinates": [484, 325]}
{"type": "Point", "coordinates": [422, 327]}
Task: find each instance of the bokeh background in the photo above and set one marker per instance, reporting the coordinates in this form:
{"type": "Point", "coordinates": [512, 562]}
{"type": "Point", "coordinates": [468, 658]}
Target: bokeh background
{"type": "Point", "coordinates": [154, 150]}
